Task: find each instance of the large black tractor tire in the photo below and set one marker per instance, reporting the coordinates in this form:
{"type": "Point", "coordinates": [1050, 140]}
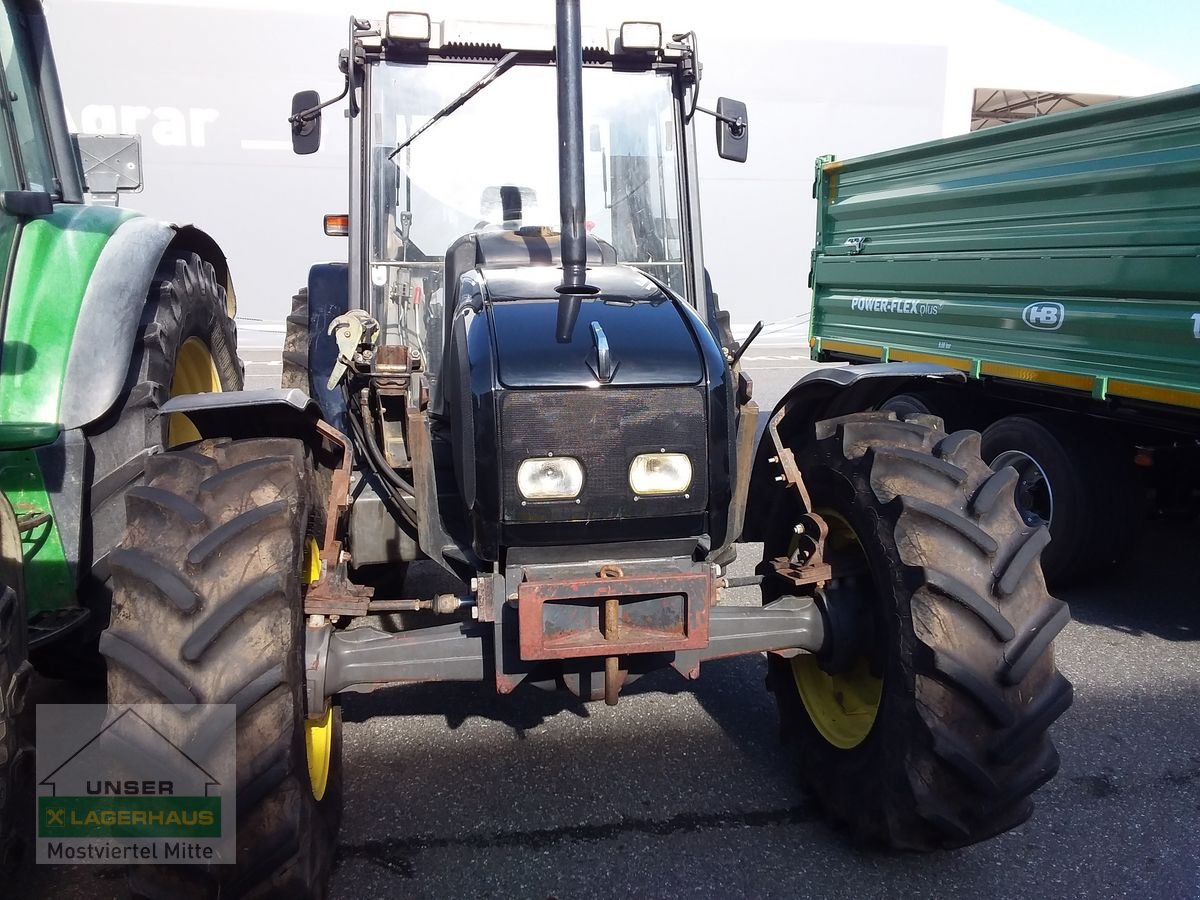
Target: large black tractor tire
{"type": "Point", "coordinates": [954, 629]}
{"type": "Point", "coordinates": [185, 304]}
{"type": "Point", "coordinates": [16, 756]}
{"type": "Point", "coordinates": [208, 608]}
{"type": "Point", "coordinates": [295, 345]}
{"type": "Point", "coordinates": [1089, 474]}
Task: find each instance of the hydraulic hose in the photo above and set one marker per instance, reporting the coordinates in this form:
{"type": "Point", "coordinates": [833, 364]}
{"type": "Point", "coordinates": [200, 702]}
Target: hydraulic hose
{"type": "Point", "coordinates": [364, 442]}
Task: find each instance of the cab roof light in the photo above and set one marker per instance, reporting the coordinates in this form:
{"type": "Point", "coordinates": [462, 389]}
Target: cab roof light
{"type": "Point", "coordinates": [640, 37]}
{"type": "Point", "coordinates": [407, 28]}
{"type": "Point", "coordinates": [337, 226]}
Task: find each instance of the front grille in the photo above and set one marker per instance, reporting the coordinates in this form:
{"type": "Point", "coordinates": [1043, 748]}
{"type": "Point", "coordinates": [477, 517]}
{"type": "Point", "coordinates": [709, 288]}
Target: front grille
{"type": "Point", "coordinates": [604, 428]}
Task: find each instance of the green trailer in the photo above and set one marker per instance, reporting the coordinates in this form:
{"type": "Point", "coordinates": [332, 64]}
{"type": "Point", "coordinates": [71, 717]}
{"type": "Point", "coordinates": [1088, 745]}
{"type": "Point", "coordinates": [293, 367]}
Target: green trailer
{"type": "Point", "coordinates": [105, 314]}
{"type": "Point", "coordinates": [1055, 262]}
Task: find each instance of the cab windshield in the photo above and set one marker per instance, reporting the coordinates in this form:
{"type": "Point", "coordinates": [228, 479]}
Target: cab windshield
{"type": "Point", "coordinates": [493, 165]}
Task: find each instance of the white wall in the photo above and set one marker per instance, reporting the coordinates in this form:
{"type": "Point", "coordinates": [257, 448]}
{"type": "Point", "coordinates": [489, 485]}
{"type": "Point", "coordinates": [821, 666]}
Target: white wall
{"type": "Point", "coordinates": [209, 86]}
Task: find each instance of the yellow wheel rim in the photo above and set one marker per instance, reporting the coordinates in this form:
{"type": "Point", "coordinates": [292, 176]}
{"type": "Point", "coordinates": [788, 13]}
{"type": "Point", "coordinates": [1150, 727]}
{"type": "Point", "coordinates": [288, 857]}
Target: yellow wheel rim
{"type": "Point", "coordinates": [312, 562]}
{"type": "Point", "coordinates": [318, 740]}
{"type": "Point", "coordinates": [318, 733]}
{"type": "Point", "coordinates": [841, 707]}
{"type": "Point", "coordinates": [195, 373]}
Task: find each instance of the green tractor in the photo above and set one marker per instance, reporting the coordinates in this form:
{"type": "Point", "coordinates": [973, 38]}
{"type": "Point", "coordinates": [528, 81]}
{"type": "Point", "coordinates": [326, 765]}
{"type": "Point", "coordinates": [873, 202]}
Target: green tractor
{"type": "Point", "coordinates": [521, 374]}
{"type": "Point", "coordinates": [105, 314]}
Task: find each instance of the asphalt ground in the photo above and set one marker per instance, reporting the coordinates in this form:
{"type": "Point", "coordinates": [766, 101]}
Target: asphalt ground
{"type": "Point", "coordinates": [684, 789]}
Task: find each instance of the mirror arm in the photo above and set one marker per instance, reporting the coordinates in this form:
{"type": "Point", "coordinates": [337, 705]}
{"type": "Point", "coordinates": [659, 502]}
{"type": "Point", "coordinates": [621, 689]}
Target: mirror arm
{"type": "Point", "coordinates": [307, 115]}
{"type": "Point", "coordinates": [737, 126]}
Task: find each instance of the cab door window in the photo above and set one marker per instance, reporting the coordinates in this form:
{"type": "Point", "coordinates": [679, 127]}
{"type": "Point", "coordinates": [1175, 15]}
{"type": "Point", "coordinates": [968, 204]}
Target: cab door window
{"type": "Point", "coordinates": [10, 180]}
{"type": "Point", "coordinates": [24, 107]}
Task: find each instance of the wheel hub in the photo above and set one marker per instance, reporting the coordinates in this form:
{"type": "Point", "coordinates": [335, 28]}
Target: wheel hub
{"type": "Point", "coordinates": [1034, 496]}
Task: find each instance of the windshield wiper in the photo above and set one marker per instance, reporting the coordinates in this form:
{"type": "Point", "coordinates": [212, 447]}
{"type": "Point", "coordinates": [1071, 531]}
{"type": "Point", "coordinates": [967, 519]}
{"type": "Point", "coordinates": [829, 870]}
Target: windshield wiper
{"type": "Point", "coordinates": [496, 71]}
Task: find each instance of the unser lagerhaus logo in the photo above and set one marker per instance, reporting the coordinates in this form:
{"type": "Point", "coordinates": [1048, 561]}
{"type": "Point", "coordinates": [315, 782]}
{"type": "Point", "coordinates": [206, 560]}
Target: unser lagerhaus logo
{"type": "Point", "coordinates": [136, 784]}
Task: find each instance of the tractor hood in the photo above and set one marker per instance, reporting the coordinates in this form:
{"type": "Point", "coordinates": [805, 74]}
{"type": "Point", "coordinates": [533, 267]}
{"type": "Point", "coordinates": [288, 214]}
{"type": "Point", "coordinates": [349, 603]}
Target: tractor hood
{"type": "Point", "coordinates": [629, 334]}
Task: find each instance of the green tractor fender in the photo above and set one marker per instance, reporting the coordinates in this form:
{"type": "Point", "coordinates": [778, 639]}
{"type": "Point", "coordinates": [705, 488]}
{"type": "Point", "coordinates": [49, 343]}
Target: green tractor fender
{"type": "Point", "coordinates": [111, 309]}
{"type": "Point", "coordinates": [55, 260]}
{"type": "Point", "coordinates": [79, 285]}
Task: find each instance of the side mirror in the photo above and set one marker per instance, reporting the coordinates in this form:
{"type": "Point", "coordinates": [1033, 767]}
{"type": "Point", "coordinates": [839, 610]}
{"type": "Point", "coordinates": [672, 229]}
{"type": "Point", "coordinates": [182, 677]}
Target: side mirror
{"type": "Point", "coordinates": [26, 204]}
{"type": "Point", "coordinates": [306, 129]}
{"type": "Point", "coordinates": [733, 130]}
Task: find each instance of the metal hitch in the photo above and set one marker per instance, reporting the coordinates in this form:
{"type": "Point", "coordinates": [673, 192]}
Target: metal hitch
{"type": "Point", "coordinates": [362, 659]}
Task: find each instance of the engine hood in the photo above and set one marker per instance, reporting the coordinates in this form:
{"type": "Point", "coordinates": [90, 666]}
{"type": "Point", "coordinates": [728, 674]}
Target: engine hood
{"type": "Point", "coordinates": [648, 337]}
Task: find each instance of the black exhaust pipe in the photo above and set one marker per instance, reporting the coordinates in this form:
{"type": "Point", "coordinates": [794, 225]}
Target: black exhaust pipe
{"type": "Point", "coordinates": [569, 67]}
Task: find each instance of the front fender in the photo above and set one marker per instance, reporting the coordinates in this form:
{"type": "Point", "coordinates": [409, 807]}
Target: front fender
{"type": "Point", "coordinates": [56, 258]}
{"type": "Point", "coordinates": [107, 326]}
{"type": "Point", "coordinates": [111, 309]}
{"type": "Point", "coordinates": [824, 394]}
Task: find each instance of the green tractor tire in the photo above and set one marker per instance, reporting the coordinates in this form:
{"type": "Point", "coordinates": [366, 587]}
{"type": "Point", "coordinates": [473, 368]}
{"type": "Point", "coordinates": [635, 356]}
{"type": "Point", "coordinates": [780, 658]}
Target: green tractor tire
{"type": "Point", "coordinates": [928, 728]}
{"type": "Point", "coordinates": [188, 344]}
{"type": "Point", "coordinates": [208, 608]}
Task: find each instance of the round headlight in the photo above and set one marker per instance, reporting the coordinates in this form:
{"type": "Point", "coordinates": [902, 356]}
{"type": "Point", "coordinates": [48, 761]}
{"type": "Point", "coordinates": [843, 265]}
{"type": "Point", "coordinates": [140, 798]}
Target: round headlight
{"type": "Point", "coordinates": [660, 473]}
{"type": "Point", "coordinates": [550, 478]}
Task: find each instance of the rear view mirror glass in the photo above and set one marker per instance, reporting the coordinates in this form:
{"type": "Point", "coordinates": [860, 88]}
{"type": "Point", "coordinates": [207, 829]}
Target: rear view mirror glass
{"type": "Point", "coordinates": [733, 130]}
{"type": "Point", "coordinates": [306, 131]}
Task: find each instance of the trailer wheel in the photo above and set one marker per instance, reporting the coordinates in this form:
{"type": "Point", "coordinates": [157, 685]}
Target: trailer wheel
{"type": "Point", "coordinates": [188, 345]}
{"type": "Point", "coordinates": [1073, 477]}
{"type": "Point", "coordinates": [16, 800]}
{"type": "Point", "coordinates": [932, 731]}
{"type": "Point", "coordinates": [295, 345]}
{"type": "Point", "coordinates": [907, 404]}
{"type": "Point", "coordinates": [951, 405]}
{"type": "Point", "coordinates": [208, 608]}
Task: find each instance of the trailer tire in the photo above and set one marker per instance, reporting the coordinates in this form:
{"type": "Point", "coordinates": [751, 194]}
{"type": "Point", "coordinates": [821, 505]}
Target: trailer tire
{"type": "Point", "coordinates": [906, 405]}
{"type": "Point", "coordinates": [1085, 474]}
{"type": "Point", "coordinates": [185, 323]}
{"type": "Point", "coordinates": [16, 782]}
{"type": "Point", "coordinates": [935, 736]}
{"type": "Point", "coordinates": [208, 608]}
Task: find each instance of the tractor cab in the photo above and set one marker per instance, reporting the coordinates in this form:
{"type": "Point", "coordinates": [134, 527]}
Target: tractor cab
{"type": "Point", "coordinates": [541, 278]}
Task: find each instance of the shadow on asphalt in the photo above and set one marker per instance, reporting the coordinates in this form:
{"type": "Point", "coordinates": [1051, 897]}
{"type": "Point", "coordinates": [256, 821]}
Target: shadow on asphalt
{"type": "Point", "coordinates": [1155, 592]}
{"type": "Point", "coordinates": [530, 707]}
{"type": "Point", "coordinates": [522, 711]}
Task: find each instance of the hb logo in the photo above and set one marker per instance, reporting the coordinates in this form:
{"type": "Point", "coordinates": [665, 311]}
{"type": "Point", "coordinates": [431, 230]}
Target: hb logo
{"type": "Point", "coordinates": [1044, 316]}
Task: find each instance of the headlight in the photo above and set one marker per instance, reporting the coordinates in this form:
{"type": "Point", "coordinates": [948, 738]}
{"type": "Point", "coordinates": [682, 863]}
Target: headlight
{"type": "Point", "coordinates": [550, 478]}
{"type": "Point", "coordinates": [660, 473]}
{"type": "Point", "coordinates": [640, 36]}
{"type": "Point", "coordinates": [408, 27]}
